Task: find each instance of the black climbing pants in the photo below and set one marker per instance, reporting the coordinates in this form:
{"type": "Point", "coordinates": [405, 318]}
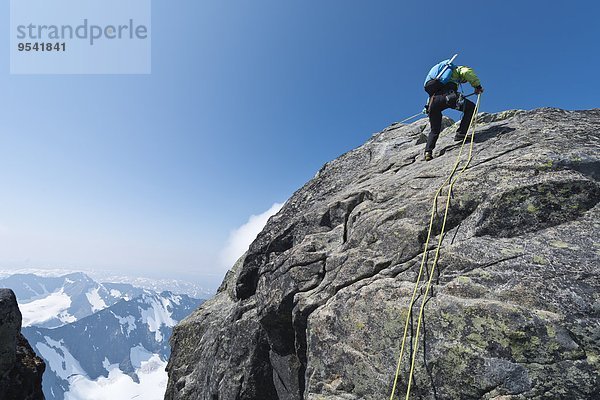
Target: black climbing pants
{"type": "Point", "coordinates": [439, 103]}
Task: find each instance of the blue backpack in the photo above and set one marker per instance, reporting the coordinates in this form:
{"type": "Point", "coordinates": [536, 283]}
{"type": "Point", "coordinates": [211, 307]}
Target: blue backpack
{"type": "Point", "coordinates": [439, 75]}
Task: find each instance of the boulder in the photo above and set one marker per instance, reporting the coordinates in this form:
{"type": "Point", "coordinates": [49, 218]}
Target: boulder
{"type": "Point", "coordinates": [21, 369]}
{"type": "Point", "coordinates": [317, 306]}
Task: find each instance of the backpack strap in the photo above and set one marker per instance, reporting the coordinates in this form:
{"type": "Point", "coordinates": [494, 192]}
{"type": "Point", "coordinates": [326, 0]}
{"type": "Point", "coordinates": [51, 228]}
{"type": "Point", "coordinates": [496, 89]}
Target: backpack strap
{"type": "Point", "coordinates": [448, 64]}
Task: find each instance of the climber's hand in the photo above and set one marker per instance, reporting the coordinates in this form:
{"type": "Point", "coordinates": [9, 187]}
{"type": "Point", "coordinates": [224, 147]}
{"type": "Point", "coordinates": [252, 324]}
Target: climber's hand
{"type": "Point", "coordinates": [479, 89]}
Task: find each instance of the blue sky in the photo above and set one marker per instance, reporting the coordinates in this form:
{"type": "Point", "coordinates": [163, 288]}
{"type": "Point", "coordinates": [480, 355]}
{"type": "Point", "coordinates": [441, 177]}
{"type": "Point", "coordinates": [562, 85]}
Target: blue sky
{"type": "Point", "coordinates": [149, 174]}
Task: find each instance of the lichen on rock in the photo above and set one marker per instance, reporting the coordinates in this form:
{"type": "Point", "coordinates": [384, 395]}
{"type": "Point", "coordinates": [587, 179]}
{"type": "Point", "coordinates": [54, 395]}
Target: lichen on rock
{"type": "Point", "coordinates": [316, 308]}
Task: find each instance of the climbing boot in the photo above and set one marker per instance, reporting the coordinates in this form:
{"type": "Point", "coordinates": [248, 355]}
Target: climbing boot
{"type": "Point", "coordinates": [459, 137]}
{"type": "Point", "coordinates": [428, 156]}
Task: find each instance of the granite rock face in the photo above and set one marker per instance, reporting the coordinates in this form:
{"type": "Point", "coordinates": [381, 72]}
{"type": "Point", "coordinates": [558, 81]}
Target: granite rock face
{"type": "Point", "coordinates": [316, 308]}
{"type": "Point", "coordinates": [21, 369]}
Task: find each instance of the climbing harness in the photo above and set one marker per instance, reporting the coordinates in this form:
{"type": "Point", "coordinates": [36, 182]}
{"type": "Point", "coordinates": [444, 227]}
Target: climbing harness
{"type": "Point", "coordinates": [426, 111]}
{"type": "Point", "coordinates": [460, 101]}
{"type": "Point", "coordinates": [451, 179]}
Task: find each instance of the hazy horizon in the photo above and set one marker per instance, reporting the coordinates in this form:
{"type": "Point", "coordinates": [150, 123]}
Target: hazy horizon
{"type": "Point", "coordinates": [237, 243]}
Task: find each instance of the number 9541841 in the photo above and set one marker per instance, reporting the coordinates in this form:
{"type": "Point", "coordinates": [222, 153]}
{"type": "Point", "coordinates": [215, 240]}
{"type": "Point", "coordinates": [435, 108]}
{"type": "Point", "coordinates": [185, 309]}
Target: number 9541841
{"type": "Point", "coordinates": [42, 46]}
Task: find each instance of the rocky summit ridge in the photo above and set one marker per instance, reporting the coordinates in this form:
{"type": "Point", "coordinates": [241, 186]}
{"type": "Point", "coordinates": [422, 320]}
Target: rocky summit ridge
{"type": "Point", "coordinates": [316, 307]}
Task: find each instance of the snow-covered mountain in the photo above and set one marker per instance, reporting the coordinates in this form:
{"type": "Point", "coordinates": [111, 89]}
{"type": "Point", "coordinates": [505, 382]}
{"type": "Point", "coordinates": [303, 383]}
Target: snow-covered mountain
{"type": "Point", "coordinates": [191, 288]}
{"type": "Point", "coordinates": [119, 352]}
{"type": "Point", "coordinates": [50, 302]}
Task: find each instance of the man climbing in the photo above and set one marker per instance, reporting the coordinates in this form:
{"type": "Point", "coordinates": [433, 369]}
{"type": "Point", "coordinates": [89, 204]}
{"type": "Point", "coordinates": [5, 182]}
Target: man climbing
{"type": "Point", "coordinates": [442, 86]}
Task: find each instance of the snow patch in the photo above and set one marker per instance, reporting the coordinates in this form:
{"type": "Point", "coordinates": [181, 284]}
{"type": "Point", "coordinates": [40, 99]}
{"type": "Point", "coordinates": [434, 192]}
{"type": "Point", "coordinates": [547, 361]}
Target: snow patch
{"type": "Point", "coordinates": [176, 299]}
{"type": "Point", "coordinates": [157, 315]}
{"type": "Point", "coordinates": [46, 309]}
{"type": "Point", "coordinates": [138, 355]}
{"type": "Point", "coordinates": [35, 293]}
{"type": "Point", "coordinates": [29, 288]}
{"type": "Point", "coordinates": [151, 373]}
{"type": "Point", "coordinates": [59, 359]}
{"type": "Point", "coordinates": [129, 320]}
{"type": "Point", "coordinates": [44, 289]}
{"type": "Point", "coordinates": [95, 300]}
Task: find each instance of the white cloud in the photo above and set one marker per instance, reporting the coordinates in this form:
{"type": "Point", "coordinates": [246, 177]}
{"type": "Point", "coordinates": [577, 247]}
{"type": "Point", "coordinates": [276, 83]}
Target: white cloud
{"type": "Point", "coordinates": [240, 238]}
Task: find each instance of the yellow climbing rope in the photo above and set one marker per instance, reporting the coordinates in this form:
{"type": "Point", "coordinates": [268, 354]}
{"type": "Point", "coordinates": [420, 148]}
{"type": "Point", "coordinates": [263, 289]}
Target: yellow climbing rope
{"type": "Point", "coordinates": [471, 129]}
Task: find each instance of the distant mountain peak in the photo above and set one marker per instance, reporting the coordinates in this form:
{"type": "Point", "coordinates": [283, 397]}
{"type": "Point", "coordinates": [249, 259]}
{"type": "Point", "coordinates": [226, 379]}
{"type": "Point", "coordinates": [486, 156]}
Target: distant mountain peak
{"type": "Point", "coordinates": [129, 337]}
